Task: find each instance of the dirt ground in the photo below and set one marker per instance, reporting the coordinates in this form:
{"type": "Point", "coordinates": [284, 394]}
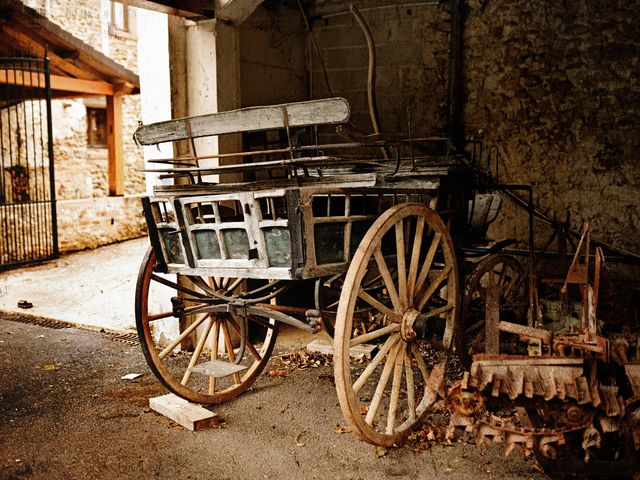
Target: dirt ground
{"type": "Point", "coordinates": [66, 413]}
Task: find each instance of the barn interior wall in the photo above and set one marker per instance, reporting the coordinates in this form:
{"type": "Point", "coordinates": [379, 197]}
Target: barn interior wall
{"type": "Point", "coordinates": [411, 44]}
{"type": "Point", "coordinates": [551, 84]}
{"type": "Point", "coordinates": [555, 85]}
{"type": "Point", "coordinates": [273, 44]}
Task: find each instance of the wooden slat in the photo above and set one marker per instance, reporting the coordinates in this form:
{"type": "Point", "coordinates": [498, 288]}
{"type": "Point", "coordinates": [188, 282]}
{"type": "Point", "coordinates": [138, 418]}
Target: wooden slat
{"type": "Point", "coordinates": [58, 82]}
{"type": "Point", "coordinates": [314, 112]}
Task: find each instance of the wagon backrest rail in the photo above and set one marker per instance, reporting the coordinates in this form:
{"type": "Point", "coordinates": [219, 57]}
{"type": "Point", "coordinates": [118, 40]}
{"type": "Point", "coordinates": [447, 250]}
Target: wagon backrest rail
{"type": "Point", "coordinates": [298, 114]}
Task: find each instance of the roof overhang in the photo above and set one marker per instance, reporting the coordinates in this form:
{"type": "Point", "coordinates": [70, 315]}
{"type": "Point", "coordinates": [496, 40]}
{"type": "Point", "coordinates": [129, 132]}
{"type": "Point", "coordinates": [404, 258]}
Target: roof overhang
{"type": "Point", "coordinates": [76, 68]}
{"type": "Point", "coordinates": [233, 11]}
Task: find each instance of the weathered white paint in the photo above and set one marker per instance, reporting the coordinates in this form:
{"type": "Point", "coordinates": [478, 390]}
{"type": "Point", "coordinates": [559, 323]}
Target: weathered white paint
{"type": "Point", "coordinates": [155, 89]}
{"type": "Point", "coordinates": [298, 114]}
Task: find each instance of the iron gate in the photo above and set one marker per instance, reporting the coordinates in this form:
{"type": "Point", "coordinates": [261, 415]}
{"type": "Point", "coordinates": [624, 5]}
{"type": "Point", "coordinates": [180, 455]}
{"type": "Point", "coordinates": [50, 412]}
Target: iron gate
{"type": "Point", "coordinates": [27, 191]}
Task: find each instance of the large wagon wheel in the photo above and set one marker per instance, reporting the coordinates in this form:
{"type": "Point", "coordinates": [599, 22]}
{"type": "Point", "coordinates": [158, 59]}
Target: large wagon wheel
{"type": "Point", "coordinates": [228, 352]}
{"type": "Point", "coordinates": [500, 270]}
{"type": "Point", "coordinates": [413, 324]}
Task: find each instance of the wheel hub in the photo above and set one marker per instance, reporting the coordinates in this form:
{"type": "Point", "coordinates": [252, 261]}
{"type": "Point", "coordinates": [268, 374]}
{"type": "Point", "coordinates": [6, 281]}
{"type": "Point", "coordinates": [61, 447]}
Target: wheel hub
{"type": "Point", "coordinates": [413, 325]}
{"type": "Point", "coordinates": [406, 324]}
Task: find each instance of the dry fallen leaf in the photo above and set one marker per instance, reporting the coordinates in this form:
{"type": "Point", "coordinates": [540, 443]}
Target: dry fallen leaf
{"type": "Point", "coordinates": [48, 367]}
{"type": "Point", "coordinates": [298, 442]}
{"type": "Point", "coordinates": [342, 430]}
{"type": "Point", "coordinates": [278, 373]}
{"type": "Point", "coordinates": [364, 410]}
{"type": "Point", "coordinates": [380, 452]}
{"type": "Point", "coordinates": [285, 408]}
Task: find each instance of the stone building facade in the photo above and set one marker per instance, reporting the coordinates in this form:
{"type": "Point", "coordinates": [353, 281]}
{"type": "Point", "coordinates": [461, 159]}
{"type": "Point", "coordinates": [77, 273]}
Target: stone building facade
{"type": "Point", "coordinates": [87, 216]}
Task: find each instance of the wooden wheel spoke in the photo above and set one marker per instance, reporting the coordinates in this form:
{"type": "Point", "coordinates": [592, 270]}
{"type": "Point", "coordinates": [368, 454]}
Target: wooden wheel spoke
{"type": "Point", "coordinates": [364, 376]}
{"type": "Point", "coordinates": [379, 306]}
{"type": "Point", "coordinates": [440, 310]}
{"type": "Point", "coordinates": [382, 384]}
{"type": "Point", "coordinates": [367, 337]}
{"type": "Point", "coordinates": [415, 257]}
{"type": "Point", "coordinates": [474, 327]}
{"type": "Point", "coordinates": [229, 348]}
{"type": "Point", "coordinates": [235, 285]}
{"type": "Point", "coordinates": [160, 316]}
{"type": "Point", "coordinates": [402, 267]}
{"type": "Point", "coordinates": [395, 390]}
{"type": "Point", "coordinates": [422, 367]}
{"type": "Point", "coordinates": [426, 266]}
{"type": "Point", "coordinates": [196, 352]}
{"type": "Point", "coordinates": [411, 394]}
{"type": "Point", "coordinates": [261, 321]}
{"type": "Point", "coordinates": [371, 282]}
{"type": "Point", "coordinates": [214, 354]}
{"type": "Point", "coordinates": [187, 331]}
{"type": "Point", "coordinates": [513, 283]}
{"type": "Point", "coordinates": [433, 287]}
{"type": "Point", "coordinates": [388, 279]}
{"type": "Point", "coordinates": [177, 287]}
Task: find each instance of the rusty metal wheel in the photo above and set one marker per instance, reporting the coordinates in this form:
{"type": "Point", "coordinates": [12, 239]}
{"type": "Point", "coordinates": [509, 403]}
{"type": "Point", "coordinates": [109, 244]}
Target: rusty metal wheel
{"type": "Point", "coordinates": [411, 324]}
{"type": "Point", "coordinates": [197, 346]}
{"type": "Point", "coordinates": [504, 271]}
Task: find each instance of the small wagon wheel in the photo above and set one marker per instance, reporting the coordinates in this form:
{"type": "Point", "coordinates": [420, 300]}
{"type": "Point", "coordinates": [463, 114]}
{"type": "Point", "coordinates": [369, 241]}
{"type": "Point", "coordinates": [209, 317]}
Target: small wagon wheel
{"type": "Point", "coordinates": [412, 324]}
{"type": "Point", "coordinates": [228, 352]}
{"type": "Point", "coordinates": [505, 272]}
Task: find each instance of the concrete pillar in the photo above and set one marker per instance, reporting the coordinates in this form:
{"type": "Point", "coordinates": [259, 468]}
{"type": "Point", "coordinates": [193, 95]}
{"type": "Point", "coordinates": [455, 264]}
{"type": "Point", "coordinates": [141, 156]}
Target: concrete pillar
{"type": "Point", "coordinates": [205, 78]}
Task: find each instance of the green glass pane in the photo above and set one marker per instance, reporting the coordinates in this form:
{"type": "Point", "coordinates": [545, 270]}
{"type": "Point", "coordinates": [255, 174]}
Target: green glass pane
{"type": "Point", "coordinates": [329, 238]}
{"type": "Point", "coordinates": [173, 247]}
{"type": "Point", "coordinates": [207, 244]}
{"type": "Point", "coordinates": [237, 243]}
{"type": "Point", "coordinates": [278, 246]}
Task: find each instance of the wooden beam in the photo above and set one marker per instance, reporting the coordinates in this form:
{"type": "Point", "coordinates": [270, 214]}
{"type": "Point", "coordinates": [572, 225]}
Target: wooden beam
{"type": "Point", "coordinates": [185, 8]}
{"type": "Point", "coordinates": [36, 46]}
{"type": "Point", "coordinates": [25, 78]}
{"type": "Point", "coordinates": [114, 145]}
{"type": "Point", "coordinates": [235, 11]}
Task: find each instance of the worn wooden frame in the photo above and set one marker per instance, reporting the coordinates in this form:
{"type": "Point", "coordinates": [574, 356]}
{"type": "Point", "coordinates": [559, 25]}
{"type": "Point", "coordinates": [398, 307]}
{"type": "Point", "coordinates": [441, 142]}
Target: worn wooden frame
{"type": "Point", "coordinates": [311, 179]}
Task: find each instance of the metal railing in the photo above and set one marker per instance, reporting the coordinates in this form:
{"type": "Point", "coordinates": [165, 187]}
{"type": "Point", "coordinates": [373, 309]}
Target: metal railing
{"type": "Point", "coordinates": [27, 188]}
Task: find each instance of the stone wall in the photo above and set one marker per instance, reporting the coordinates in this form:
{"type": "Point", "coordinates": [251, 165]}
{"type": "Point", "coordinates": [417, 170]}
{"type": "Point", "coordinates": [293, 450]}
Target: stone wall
{"type": "Point", "coordinates": [99, 221]}
{"type": "Point", "coordinates": [555, 84]}
{"type": "Point", "coordinates": [81, 171]}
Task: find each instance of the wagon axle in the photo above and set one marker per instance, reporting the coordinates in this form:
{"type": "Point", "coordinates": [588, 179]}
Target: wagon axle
{"type": "Point", "coordinates": [416, 325]}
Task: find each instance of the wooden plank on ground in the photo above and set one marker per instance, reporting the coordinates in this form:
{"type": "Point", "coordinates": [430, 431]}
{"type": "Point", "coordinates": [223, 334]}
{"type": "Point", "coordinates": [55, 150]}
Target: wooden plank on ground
{"type": "Point", "coordinates": [320, 346]}
{"type": "Point", "coordinates": [190, 415]}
